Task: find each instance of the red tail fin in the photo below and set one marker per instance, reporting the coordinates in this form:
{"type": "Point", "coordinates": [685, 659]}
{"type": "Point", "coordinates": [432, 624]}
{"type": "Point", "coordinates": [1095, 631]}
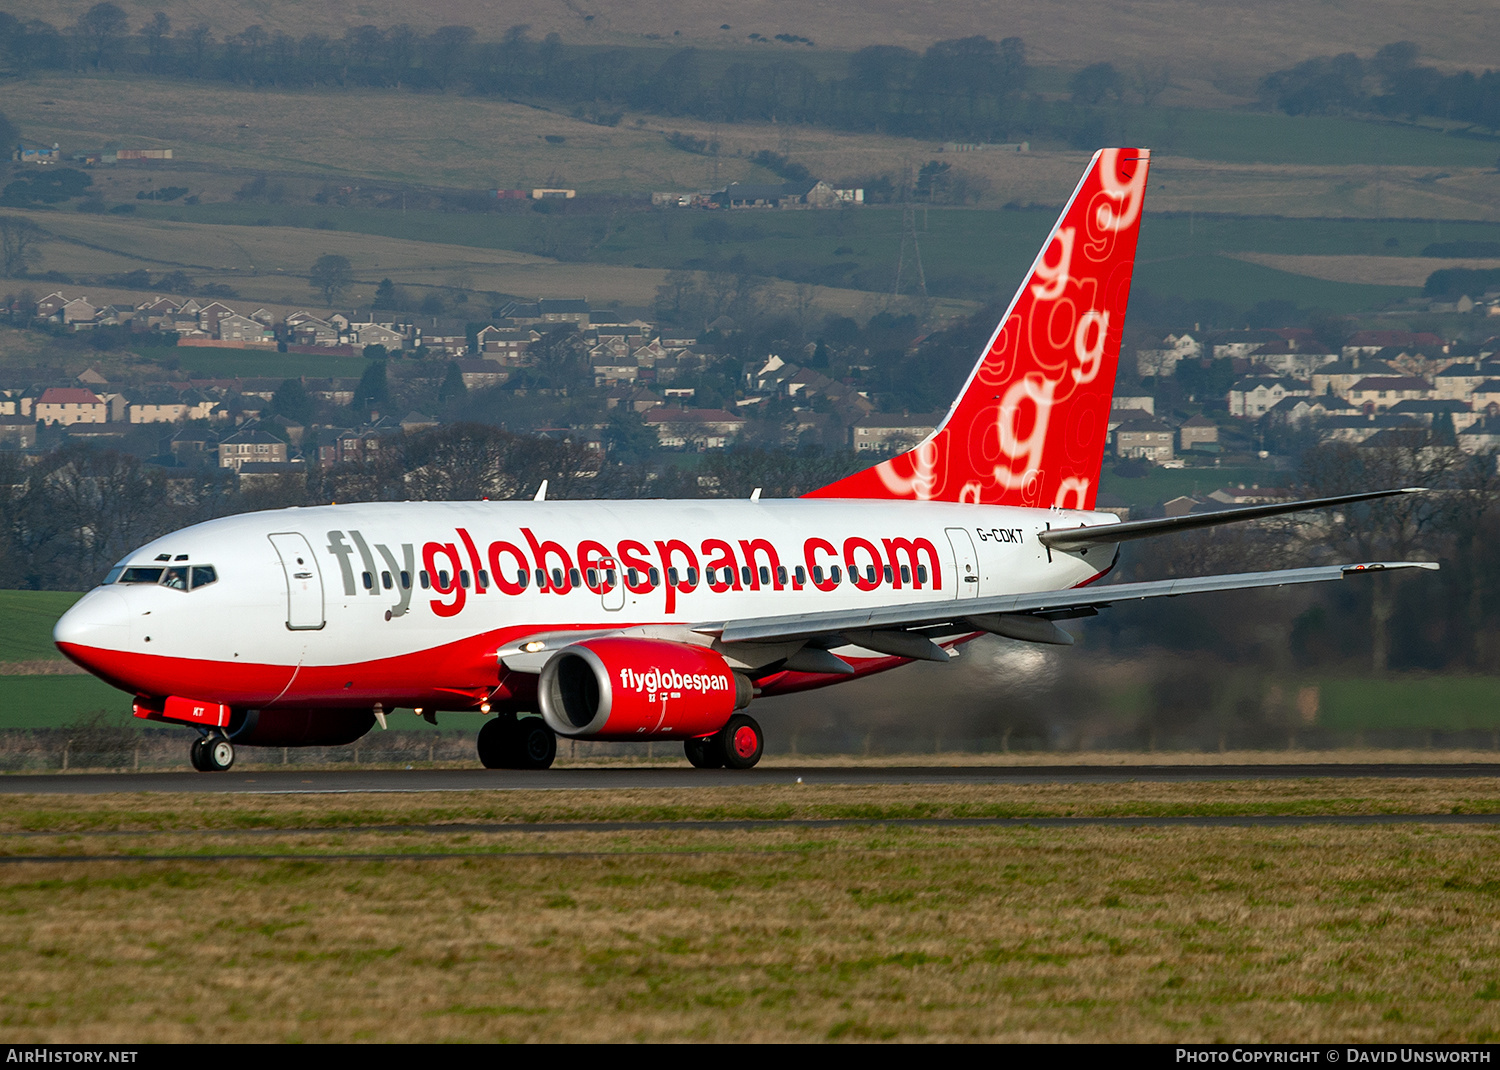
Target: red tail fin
{"type": "Point", "coordinates": [1029, 426]}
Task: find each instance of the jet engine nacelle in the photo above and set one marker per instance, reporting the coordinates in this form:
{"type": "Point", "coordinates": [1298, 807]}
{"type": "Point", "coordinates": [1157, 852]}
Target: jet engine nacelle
{"type": "Point", "coordinates": [619, 688]}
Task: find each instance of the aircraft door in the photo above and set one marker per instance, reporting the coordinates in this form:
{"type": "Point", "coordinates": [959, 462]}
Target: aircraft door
{"type": "Point", "coordinates": [611, 589]}
{"type": "Point", "coordinates": [304, 582]}
{"type": "Point", "coordinates": [965, 561]}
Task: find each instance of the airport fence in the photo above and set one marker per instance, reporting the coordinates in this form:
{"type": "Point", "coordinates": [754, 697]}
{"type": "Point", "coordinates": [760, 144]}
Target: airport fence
{"type": "Point", "coordinates": [125, 749]}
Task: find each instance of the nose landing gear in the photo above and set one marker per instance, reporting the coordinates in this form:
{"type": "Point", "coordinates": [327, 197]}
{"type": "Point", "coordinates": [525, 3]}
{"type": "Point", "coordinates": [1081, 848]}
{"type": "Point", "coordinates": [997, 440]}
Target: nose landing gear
{"type": "Point", "coordinates": [211, 754]}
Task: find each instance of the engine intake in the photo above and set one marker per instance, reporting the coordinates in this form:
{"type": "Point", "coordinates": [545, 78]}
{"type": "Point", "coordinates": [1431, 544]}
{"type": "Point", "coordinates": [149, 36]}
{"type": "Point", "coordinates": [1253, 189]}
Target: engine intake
{"type": "Point", "coordinates": [618, 688]}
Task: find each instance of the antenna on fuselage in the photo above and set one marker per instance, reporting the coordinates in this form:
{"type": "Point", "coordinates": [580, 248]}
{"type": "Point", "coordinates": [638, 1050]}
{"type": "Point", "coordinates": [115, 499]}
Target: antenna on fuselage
{"type": "Point", "coordinates": [755, 495]}
{"type": "Point", "coordinates": [541, 492]}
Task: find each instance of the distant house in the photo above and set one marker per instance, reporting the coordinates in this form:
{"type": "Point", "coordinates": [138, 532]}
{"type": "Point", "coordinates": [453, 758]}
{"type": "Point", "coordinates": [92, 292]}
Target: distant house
{"type": "Point", "coordinates": [1197, 431]}
{"type": "Point", "coordinates": [1149, 439]}
{"type": "Point", "coordinates": [1254, 396]}
{"type": "Point", "coordinates": [707, 429]}
{"type": "Point", "coordinates": [1379, 394]}
{"type": "Point", "coordinates": [508, 345]}
{"type": "Point", "coordinates": [67, 405]}
{"type": "Point", "coordinates": [1144, 402]}
{"type": "Point", "coordinates": [893, 433]}
{"type": "Point", "coordinates": [1340, 375]}
{"type": "Point", "coordinates": [478, 374]}
{"type": "Point", "coordinates": [251, 446]}
{"type": "Point", "coordinates": [236, 328]}
{"type": "Point", "coordinates": [376, 334]}
{"type": "Point", "coordinates": [17, 432]}
{"type": "Point", "coordinates": [1163, 361]}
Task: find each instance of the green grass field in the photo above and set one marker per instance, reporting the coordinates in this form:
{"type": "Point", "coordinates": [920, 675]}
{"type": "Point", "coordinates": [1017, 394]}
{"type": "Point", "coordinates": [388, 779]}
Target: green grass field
{"type": "Point", "coordinates": [966, 252]}
{"type": "Point", "coordinates": [28, 617]}
{"type": "Point", "coordinates": [212, 364]}
{"type": "Point", "coordinates": [363, 918]}
{"type": "Point", "coordinates": [1445, 703]}
{"type": "Point", "coordinates": [57, 701]}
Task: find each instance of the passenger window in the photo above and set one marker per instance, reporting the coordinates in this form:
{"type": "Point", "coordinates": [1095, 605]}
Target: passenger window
{"type": "Point", "coordinates": [424, 579]}
{"type": "Point", "coordinates": [765, 575]}
{"type": "Point", "coordinates": [905, 573]}
{"type": "Point", "coordinates": [176, 578]}
{"type": "Point", "coordinates": [557, 579]}
{"type": "Point", "coordinates": [817, 573]}
{"type": "Point", "coordinates": [522, 578]}
{"type": "Point", "coordinates": [655, 577]}
{"type": "Point", "coordinates": [692, 577]}
{"type": "Point", "coordinates": [835, 574]}
{"type": "Point", "coordinates": [484, 579]}
{"type": "Point", "coordinates": [610, 577]}
{"type": "Point", "coordinates": [921, 573]}
{"type": "Point", "coordinates": [672, 577]}
{"type": "Point", "coordinates": [575, 578]}
{"type": "Point", "coordinates": [781, 575]}
{"type": "Point", "coordinates": [463, 578]}
{"type": "Point", "coordinates": [368, 580]}
{"type": "Point", "coordinates": [386, 581]}
{"type": "Point", "coordinates": [405, 581]}
{"type": "Point", "coordinates": [632, 577]}
{"type": "Point", "coordinates": [203, 575]}
{"type": "Point", "coordinates": [801, 574]}
{"type": "Point", "coordinates": [870, 573]}
{"type": "Point", "coordinates": [887, 573]}
{"type": "Point", "coordinates": [593, 575]}
{"type": "Point", "coordinates": [442, 580]}
{"type": "Point", "coordinates": [745, 575]}
{"type": "Point", "coordinates": [141, 575]}
{"type": "Point", "coordinates": [541, 579]}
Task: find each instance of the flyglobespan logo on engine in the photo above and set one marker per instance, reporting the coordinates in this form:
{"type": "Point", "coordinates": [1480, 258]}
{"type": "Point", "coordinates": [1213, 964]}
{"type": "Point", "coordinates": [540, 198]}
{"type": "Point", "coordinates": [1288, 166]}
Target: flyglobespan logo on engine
{"type": "Point", "coordinates": [654, 680]}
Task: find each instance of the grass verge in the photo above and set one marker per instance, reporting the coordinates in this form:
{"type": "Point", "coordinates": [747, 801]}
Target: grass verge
{"type": "Point", "coordinates": [1167, 935]}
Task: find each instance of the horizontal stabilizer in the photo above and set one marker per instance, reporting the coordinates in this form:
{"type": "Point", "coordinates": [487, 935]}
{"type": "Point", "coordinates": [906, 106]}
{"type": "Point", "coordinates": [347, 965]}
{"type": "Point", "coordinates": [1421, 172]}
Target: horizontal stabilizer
{"type": "Point", "coordinates": [1066, 539]}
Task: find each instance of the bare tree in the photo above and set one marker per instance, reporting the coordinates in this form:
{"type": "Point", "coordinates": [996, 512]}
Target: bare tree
{"type": "Point", "coordinates": [1388, 529]}
{"type": "Point", "coordinates": [21, 243]}
{"type": "Point", "coordinates": [331, 275]}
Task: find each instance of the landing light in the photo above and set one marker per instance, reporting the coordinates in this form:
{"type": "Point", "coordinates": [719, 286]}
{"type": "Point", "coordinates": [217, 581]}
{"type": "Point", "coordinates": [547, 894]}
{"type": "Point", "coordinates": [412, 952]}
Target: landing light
{"type": "Point", "coordinates": [533, 646]}
{"type": "Point", "coordinates": [484, 707]}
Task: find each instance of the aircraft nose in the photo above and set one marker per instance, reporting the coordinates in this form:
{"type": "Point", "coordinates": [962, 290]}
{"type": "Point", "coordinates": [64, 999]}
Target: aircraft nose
{"type": "Point", "coordinates": [98, 620]}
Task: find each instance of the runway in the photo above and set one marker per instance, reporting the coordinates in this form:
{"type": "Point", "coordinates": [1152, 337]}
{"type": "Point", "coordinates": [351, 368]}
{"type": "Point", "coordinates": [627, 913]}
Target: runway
{"type": "Point", "coordinates": [300, 782]}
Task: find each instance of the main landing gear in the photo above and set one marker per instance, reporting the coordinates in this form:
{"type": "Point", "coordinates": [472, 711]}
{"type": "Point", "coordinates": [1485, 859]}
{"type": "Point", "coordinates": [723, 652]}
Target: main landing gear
{"type": "Point", "coordinates": [211, 754]}
{"type": "Point", "coordinates": [508, 742]}
{"type": "Point", "coordinates": [738, 745]}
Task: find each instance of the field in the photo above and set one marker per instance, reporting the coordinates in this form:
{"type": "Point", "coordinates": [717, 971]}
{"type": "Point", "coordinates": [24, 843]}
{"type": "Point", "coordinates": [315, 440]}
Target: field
{"type": "Point", "coordinates": [422, 918]}
{"type": "Point", "coordinates": [1206, 41]}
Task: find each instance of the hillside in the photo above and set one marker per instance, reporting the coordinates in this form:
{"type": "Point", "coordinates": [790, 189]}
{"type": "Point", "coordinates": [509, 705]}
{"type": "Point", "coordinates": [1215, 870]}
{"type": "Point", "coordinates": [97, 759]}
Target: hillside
{"type": "Point", "coordinates": [1206, 42]}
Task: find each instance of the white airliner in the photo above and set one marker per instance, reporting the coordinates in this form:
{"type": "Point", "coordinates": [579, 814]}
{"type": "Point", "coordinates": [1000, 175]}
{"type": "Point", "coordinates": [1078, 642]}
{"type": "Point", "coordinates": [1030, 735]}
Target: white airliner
{"type": "Point", "coordinates": [651, 620]}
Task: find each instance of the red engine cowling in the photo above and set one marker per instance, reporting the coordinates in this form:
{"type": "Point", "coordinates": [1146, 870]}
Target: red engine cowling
{"type": "Point", "coordinates": [638, 689]}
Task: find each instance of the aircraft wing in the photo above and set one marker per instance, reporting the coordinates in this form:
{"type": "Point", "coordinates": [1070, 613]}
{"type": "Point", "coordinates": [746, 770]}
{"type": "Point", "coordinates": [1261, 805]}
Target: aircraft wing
{"type": "Point", "coordinates": [904, 629]}
{"type": "Point", "coordinates": [1043, 605]}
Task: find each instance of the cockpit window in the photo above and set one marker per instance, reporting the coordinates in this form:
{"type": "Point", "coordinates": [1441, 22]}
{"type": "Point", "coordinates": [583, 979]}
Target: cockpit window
{"type": "Point", "coordinates": [142, 575]}
{"type": "Point", "coordinates": [177, 577]}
